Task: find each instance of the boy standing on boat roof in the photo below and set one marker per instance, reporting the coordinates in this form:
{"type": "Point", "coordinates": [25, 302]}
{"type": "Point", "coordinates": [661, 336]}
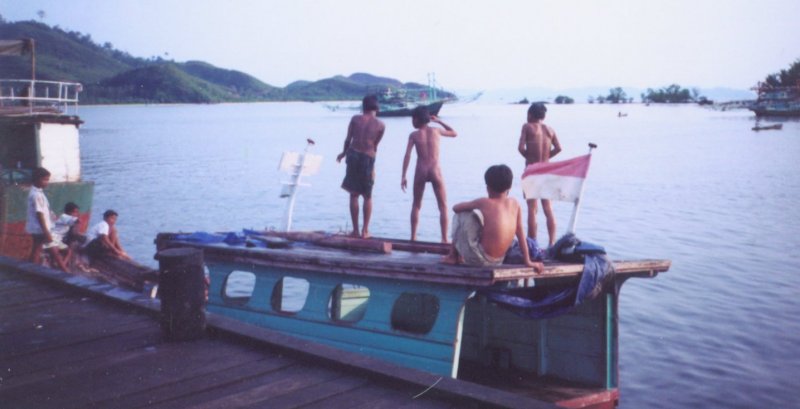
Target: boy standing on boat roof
{"type": "Point", "coordinates": [426, 141]}
{"type": "Point", "coordinates": [363, 135]}
{"type": "Point", "coordinates": [38, 218]}
{"type": "Point", "coordinates": [538, 143]}
{"type": "Point", "coordinates": [483, 229]}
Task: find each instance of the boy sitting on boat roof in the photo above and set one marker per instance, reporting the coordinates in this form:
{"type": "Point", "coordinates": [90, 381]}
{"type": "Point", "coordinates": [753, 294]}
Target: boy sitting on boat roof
{"type": "Point", "coordinates": [484, 228]}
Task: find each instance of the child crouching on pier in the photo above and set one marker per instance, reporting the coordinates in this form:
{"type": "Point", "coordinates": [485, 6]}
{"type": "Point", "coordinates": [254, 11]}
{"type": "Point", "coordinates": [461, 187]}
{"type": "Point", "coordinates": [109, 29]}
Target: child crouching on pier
{"type": "Point", "coordinates": [484, 228]}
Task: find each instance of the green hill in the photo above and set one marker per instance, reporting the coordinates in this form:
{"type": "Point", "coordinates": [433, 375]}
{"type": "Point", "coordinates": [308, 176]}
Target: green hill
{"type": "Point", "coordinates": [112, 76]}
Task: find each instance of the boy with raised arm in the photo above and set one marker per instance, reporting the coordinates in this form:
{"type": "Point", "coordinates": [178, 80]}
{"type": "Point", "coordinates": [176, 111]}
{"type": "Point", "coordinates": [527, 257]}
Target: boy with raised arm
{"type": "Point", "coordinates": [426, 141]}
{"type": "Point", "coordinates": [483, 229]}
{"type": "Point", "coordinates": [360, 147]}
{"type": "Point", "coordinates": [538, 143]}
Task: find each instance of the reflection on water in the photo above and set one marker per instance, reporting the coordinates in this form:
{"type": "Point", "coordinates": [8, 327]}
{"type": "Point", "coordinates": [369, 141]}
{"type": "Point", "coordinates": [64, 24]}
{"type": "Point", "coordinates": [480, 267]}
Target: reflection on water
{"type": "Point", "coordinates": [694, 185]}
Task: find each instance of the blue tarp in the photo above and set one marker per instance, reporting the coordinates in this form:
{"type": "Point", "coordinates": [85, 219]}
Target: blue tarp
{"type": "Point", "coordinates": [536, 303]}
{"type": "Point", "coordinates": [229, 238]}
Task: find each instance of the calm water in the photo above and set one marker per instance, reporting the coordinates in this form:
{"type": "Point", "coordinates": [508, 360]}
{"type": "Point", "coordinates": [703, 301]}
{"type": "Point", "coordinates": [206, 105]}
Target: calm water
{"type": "Point", "coordinates": [720, 329]}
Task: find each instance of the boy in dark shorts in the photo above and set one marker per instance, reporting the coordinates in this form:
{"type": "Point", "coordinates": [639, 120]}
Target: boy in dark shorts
{"type": "Point", "coordinates": [360, 147]}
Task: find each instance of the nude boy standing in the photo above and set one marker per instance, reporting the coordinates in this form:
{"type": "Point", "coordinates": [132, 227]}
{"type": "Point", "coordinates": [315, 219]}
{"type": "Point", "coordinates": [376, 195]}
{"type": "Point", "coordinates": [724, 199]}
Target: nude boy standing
{"type": "Point", "coordinates": [360, 147]}
{"type": "Point", "coordinates": [426, 141]}
{"type": "Point", "coordinates": [538, 143]}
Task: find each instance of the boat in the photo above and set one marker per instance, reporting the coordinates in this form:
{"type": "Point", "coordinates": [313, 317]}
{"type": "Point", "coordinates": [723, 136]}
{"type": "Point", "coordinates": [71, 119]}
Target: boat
{"type": "Point", "coordinates": [39, 127]}
{"type": "Point", "coordinates": [783, 101]}
{"type": "Point", "coordinates": [395, 102]}
{"type": "Point", "coordinates": [401, 101]}
{"type": "Point", "coordinates": [395, 301]}
{"type": "Point", "coordinates": [776, 127]}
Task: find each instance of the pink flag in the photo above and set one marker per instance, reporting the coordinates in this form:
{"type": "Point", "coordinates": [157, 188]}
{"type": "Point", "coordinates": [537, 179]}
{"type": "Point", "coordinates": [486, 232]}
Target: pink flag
{"type": "Point", "coordinates": [556, 180]}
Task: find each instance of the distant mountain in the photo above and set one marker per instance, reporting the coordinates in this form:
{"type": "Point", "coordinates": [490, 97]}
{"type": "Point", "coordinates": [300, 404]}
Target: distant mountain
{"type": "Point", "coordinates": [113, 76]}
{"type": "Point", "coordinates": [353, 87]}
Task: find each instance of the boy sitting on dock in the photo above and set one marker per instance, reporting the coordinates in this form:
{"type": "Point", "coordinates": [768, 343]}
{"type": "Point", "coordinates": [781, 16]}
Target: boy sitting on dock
{"type": "Point", "coordinates": [483, 229]}
{"type": "Point", "coordinates": [65, 236]}
{"type": "Point", "coordinates": [360, 147]}
{"type": "Point", "coordinates": [104, 240]}
{"type": "Point", "coordinates": [426, 141]}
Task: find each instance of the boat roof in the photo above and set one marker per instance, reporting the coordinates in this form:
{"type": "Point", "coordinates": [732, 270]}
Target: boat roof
{"type": "Point", "coordinates": [382, 257]}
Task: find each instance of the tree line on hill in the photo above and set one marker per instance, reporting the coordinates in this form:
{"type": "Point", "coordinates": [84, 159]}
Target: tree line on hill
{"type": "Point", "coordinates": [109, 75]}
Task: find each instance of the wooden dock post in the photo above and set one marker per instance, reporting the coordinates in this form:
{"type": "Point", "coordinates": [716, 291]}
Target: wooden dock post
{"type": "Point", "coordinates": [182, 290]}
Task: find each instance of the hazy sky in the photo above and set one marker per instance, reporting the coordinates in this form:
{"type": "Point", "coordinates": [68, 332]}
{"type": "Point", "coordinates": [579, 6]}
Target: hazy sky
{"type": "Point", "coordinates": [468, 44]}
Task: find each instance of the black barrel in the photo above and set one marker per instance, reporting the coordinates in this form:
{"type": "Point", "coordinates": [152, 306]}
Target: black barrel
{"type": "Point", "coordinates": [182, 289]}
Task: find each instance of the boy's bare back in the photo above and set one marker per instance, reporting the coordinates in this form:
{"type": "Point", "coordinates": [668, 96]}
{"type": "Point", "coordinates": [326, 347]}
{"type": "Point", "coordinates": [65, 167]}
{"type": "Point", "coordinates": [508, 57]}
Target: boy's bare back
{"type": "Point", "coordinates": [537, 140]}
{"type": "Point", "coordinates": [426, 143]}
{"type": "Point", "coordinates": [365, 132]}
{"type": "Point", "coordinates": [501, 219]}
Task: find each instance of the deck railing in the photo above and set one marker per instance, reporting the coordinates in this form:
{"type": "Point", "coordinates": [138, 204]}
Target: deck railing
{"type": "Point", "coordinates": [36, 95]}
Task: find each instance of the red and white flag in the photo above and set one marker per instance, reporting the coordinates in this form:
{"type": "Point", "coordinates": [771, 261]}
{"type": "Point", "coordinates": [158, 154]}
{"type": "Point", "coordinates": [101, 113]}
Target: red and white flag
{"type": "Point", "coordinates": [556, 180]}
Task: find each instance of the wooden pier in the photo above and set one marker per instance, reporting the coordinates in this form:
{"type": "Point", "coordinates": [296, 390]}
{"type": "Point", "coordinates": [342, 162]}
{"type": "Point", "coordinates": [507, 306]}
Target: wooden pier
{"type": "Point", "coordinates": [72, 342]}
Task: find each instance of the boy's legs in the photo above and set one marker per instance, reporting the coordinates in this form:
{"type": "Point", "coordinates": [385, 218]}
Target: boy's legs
{"type": "Point", "coordinates": [551, 221]}
{"type": "Point", "coordinates": [367, 215]}
{"type": "Point", "coordinates": [419, 190]}
{"type": "Point", "coordinates": [441, 200]}
{"type": "Point", "coordinates": [354, 213]}
{"type": "Point", "coordinates": [36, 249]}
{"type": "Point", "coordinates": [55, 255]}
{"type": "Point", "coordinates": [532, 210]}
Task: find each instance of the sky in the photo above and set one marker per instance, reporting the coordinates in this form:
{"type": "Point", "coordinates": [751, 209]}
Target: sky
{"type": "Point", "coordinates": [474, 45]}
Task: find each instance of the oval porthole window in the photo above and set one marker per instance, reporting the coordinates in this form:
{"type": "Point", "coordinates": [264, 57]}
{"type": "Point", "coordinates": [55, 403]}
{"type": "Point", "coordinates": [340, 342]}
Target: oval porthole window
{"type": "Point", "coordinates": [415, 312]}
{"type": "Point", "coordinates": [348, 303]}
{"type": "Point", "coordinates": [238, 288]}
{"type": "Point", "coordinates": [290, 294]}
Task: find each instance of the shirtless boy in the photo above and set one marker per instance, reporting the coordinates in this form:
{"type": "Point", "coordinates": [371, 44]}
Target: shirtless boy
{"type": "Point", "coordinates": [426, 141]}
{"type": "Point", "coordinates": [484, 228]}
{"type": "Point", "coordinates": [538, 143]}
{"type": "Point", "coordinates": [363, 135]}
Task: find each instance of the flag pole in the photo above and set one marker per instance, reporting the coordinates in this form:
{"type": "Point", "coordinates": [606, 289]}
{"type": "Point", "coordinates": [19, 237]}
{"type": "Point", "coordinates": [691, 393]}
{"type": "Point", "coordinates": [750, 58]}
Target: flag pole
{"type": "Point", "coordinates": [293, 183]}
{"type": "Point", "coordinates": [574, 219]}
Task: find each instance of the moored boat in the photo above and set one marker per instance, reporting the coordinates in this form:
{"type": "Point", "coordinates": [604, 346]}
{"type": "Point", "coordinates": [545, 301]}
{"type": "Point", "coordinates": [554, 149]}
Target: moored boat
{"type": "Point", "coordinates": [394, 300]}
{"type": "Point", "coordinates": [39, 127]}
{"type": "Point", "coordinates": [777, 101]}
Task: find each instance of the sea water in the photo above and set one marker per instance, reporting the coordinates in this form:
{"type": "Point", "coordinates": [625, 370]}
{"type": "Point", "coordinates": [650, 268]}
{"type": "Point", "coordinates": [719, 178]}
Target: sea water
{"type": "Point", "coordinates": [685, 183]}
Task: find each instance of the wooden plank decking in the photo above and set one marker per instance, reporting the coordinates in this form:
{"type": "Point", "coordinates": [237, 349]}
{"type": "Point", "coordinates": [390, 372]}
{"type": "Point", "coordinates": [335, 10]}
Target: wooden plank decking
{"type": "Point", "coordinates": [68, 342]}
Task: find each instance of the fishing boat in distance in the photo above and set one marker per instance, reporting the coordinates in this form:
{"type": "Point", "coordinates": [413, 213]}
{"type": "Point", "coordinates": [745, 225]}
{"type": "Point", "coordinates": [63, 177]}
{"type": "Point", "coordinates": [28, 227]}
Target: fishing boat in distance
{"type": "Point", "coordinates": [775, 127]}
{"type": "Point", "coordinates": [396, 101]}
{"type": "Point", "coordinates": [777, 101]}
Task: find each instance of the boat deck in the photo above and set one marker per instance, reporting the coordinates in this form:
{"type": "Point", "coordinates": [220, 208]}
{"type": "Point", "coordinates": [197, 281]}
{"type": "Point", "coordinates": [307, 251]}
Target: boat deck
{"type": "Point", "coordinates": [400, 259]}
{"type": "Point", "coordinates": [71, 342]}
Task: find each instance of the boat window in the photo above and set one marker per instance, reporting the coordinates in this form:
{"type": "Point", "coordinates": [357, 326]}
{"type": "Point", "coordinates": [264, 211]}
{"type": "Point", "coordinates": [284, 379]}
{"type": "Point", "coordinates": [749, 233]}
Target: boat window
{"type": "Point", "coordinates": [415, 312]}
{"type": "Point", "coordinates": [348, 302]}
{"type": "Point", "coordinates": [289, 294]}
{"type": "Point", "coordinates": [238, 287]}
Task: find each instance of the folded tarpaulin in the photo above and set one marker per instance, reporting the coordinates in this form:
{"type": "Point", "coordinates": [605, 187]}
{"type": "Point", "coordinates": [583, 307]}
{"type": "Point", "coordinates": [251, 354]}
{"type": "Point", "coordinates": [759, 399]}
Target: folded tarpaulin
{"type": "Point", "coordinates": [548, 302]}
